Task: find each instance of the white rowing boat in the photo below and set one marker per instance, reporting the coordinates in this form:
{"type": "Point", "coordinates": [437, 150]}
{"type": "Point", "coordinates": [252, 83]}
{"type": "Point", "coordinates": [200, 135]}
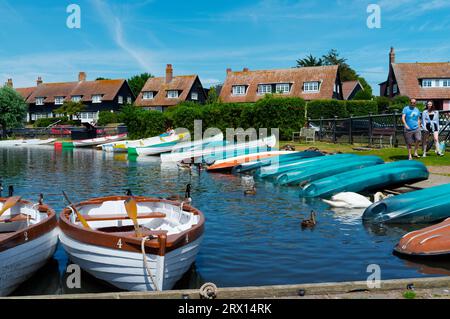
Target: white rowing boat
{"type": "Point", "coordinates": [163, 145]}
{"type": "Point", "coordinates": [98, 140]}
{"type": "Point", "coordinates": [110, 249]}
{"type": "Point", "coordinates": [28, 239]}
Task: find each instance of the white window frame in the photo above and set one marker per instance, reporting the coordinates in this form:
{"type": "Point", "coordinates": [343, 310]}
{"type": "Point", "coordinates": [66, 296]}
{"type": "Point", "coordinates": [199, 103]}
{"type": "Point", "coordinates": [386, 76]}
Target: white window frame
{"type": "Point", "coordinates": [76, 98]}
{"type": "Point", "coordinates": [264, 89]}
{"type": "Point", "coordinates": [446, 83]}
{"type": "Point", "coordinates": [172, 94]}
{"type": "Point", "coordinates": [120, 99]}
{"type": "Point", "coordinates": [40, 100]}
{"type": "Point", "coordinates": [129, 100]}
{"type": "Point", "coordinates": [148, 95]}
{"type": "Point", "coordinates": [311, 87]}
{"type": "Point", "coordinates": [394, 88]}
{"type": "Point", "coordinates": [194, 96]}
{"type": "Point", "coordinates": [59, 100]}
{"type": "Point", "coordinates": [239, 90]}
{"type": "Point", "coordinates": [283, 88]}
{"type": "Point", "coordinates": [96, 98]}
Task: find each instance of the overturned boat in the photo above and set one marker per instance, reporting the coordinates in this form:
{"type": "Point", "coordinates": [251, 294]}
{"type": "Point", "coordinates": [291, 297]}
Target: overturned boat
{"type": "Point", "coordinates": [28, 239]}
{"type": "Point", "coordinates": [423, 206]}
{"type": "Point", "coordinates": [165, 143]}
{"type": "Point", "coordinates": [429, 242]}
{"type": "Point", "coordinates": [367, 179]}
{"type": "Point", "coordinates": [133, 243]}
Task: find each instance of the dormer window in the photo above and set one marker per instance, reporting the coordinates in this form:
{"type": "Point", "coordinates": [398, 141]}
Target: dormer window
{"type": "Point", "coordinates": [59, 100]}
{"type": "Point", "coordinates": [311, 87]}
{"type": "Point", "coordinates": [147, 96]}
{"type": "Point", "coordinates": [436, 83]}
{"type": "Point", "coordinates": [39, 101]}
{"type": "Point", "coordinates": [76, 98]}
{"type": "Point", "coordinates": [97, 98]}
{"type": "Point", "coordinates": [283, 88]}
{"type": "Point", "coordinates": [264, 89]}
{"type": "Point", "coordinates": [239, 90]}
{"type": "Point", "coordinates": [172, 94]}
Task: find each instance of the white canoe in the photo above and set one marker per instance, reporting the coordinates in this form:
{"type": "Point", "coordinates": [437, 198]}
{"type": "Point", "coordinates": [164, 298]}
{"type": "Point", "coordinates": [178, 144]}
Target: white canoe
{"type": "Point", "coordinates": [165, 144]}
{"type": "Point", "coordinates": [123, 146]}
{"type": "Point", "coordinates": [28, 239]}
{"type": "Point", "coordinates": [99, 140]}
{"type": "Point", "coordinates": [185, 146]}
{"type": "Point", "coordinates": [111, 251]}
{"type": "Point", "coordinates": [35, 142]}
{"type": "Point", "coordinates": [198, 153]}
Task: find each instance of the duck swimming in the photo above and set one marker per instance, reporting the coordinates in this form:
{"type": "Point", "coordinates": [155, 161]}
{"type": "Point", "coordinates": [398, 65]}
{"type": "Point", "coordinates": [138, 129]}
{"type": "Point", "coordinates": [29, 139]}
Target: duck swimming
{"type": "Point", "coordinates": [251, 191]}
{"type": "Point", "coordinates": [310, 223]}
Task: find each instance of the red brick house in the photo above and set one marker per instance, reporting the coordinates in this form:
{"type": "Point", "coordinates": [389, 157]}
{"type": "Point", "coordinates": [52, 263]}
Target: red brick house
{"type": "Point", "coordinates": [421, 81]}
{"type": "Point", "coordinates": [162, 92]}
{"type": "Point", "coordinates": [309, 83]}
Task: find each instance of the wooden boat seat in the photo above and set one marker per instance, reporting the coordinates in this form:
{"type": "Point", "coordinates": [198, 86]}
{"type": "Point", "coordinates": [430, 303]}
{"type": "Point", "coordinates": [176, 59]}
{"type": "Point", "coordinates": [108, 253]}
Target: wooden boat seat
{"type": "Point", "coordinates": [16, 218]}
{"type": "Point", "coordinates": [122, 217]}
{"type": "Point", "coordinates": [128, 231]}
{"type": "Point", "coordinates": [4, 235]}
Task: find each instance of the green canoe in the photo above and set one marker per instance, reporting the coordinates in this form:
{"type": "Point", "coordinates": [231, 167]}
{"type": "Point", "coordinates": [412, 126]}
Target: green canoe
{"type": "Point", "coordinates": [367, 179]}
{"type": "Point", "coordinates": [279, 168]}
{"type": "Point", "coordinates": [318, 171]}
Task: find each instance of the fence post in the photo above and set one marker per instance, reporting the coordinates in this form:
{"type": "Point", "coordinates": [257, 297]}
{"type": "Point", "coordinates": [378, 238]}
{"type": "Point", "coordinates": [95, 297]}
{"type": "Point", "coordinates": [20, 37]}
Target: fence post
{"type": "Point", "coordinates": [334, 130]}
{"type": "Point", "coordinates": [321, 128]}
{"type": "Point", "coordinates": [395, 129]}
{"type": "Point", "coordinates": [350, 130]}
{"type": "Point", "coordinates": [370, 129]}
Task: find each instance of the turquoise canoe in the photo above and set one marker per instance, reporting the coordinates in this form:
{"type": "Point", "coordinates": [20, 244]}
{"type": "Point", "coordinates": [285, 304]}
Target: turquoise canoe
{"type": "Point", "coordinates": [280, 168]}
{"type": "Point", "coordinates": [424, 206]}
{"type": "Point", "coordinates": [367, 179]}
{"type": "Point", "coordinates": [247, 167]}
{"type": "Point", "coordinates": [319, 171]}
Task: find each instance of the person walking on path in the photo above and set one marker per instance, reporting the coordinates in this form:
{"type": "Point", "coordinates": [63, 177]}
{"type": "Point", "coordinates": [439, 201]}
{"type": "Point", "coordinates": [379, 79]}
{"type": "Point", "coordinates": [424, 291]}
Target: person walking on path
{"type": "Point", "coordinates": [411, 121]}
{"type": "Point", "coordinates": [430, 126]}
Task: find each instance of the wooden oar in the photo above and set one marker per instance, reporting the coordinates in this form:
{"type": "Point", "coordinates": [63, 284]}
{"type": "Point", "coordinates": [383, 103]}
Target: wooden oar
{"type": "Point", "coordinates": [131, 208]}
{"type": "Point", "coordinates": [10, 202]}
{"type": "Point", "coordinates": [80, 217]}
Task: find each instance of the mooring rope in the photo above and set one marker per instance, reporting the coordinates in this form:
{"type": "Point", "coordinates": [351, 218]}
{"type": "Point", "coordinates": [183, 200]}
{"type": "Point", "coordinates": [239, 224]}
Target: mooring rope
{"type": "Point", "coordinates": [144, 257]}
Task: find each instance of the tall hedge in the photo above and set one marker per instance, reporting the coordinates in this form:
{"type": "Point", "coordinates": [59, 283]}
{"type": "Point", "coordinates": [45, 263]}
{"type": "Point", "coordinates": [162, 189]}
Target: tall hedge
{"type": "Point", "coordinates": [361, 108]}
{"type": "Point", "coordinates": [331, 108]}
{"type": "Point", "coordinates": [141, 123]}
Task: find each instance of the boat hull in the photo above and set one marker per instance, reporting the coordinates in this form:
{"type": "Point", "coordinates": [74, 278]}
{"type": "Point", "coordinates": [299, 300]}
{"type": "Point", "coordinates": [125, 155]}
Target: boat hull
{"type": "Point", "coordinates": [126, 270]}
{"type": "Point", "coordinates": [20, 262]}
{"type": "Point", "coordinates": [367, 179]}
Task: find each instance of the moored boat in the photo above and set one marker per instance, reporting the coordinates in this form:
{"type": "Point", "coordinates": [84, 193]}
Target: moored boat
{"type": "Point", "coordinates": [134, 243]}
{"type": "Point", "coordinates": [432, 241]}
{"type": "Point", "coordinates": [229, 163]}
{"type": "Point", "coordinates": [28, 239]}
{"type": "Point", "coordinates": [155, 146]}
{"type": "Point", "coordinates": [94, 141]}
{"type": "Point", "coordinates": [367, 179]}
{"type": "Point", "coordinates": [423, 206]}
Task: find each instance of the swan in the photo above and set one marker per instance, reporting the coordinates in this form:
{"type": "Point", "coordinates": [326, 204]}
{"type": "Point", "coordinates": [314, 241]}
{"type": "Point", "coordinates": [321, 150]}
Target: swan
{"type": "Point", "coordinates": [353, 200]}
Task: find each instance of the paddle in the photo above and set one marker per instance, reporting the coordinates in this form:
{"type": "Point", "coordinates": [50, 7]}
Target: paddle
{"type": "Point", "coordinates": [131, 208]}
{"type": "Point", "coordinates": [10, 202]}
{"type": "Point", "coordinates": [80, 217]}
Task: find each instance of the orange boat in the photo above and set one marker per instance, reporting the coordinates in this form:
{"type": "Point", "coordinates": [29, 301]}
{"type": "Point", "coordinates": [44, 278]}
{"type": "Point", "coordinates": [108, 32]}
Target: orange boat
{"type": "Point", "coordinates": [229, 163]}
{"type": "Point", "coordinates": [432, 241]}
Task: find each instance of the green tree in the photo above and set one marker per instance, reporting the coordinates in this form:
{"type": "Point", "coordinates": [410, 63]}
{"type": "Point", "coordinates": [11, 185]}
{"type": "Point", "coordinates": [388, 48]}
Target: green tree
{"type": "Point", "coordinates": [70, 108]}
{"type": "Point", "coordinates": [346, 72]}
{"type": "Point", "coordinates": [363, 95]}
{"type": "Point", "coordinates": [137, 82]}
{"type": "Point", "coordinates": [309, 61]}
{"type": "Point", "coordinates": [101, 79]}
{"type": "Point", "coordinates": [13, 109]}
{"type": "Point", "coordinates": [365, 85]}
{"type": "Point", "coordinates": [213, 97]}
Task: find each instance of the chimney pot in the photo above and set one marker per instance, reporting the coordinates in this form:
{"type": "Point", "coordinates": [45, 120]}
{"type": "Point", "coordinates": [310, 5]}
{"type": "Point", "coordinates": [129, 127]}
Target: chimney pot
{"type": "Point", "coordinates": [81, 76]}
{"type": "Point", "coordinates": [169, 73]}
{"type": "Point", "coordinates": [245, 70]}
{"type": "Point", "coordinates": [229, 70]}
{"type": "Point", "coordinates": [39, 81]}
{"type": "Point", "coordinates": [9, 83]}
{"type": "Point", "coordinates": [392, 56]}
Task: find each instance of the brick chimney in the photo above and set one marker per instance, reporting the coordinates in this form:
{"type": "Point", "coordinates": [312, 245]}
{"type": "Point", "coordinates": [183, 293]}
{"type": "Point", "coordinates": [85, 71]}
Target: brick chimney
{"type": "Point", "coordinates": [81, 76]}
{"type": "Point", "coordinates": [245, 70]}
{"type": "Point", "coordinates": [392, 56]}
{"type": "Point", "coordinates": [229, 70]}
{"type": "Point", "coordinates": [169, 73]}
{"type": "Point", "coordinates": [9, 83]}
{"type": "Point", "coordinates": [39, 81]}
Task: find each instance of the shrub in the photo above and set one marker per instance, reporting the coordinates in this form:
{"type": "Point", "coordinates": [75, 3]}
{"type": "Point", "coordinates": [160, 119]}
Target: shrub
{"type": "Point", "coordinates": [184, 115]}
{"type": "Point", "coordinates": [326, 109]}
{"type": "Point", "coordinates": [361, 108]}
{"type": "Point", "coordinates": [45, 122]}
{"type": "Point", "coordinates": [363, 95]}
{"type": "Point", "coordinates": [403, 100]}
{"type": "Point", "coordinates": [107, 117]}
{"type": "Point", "coordinates": [383, 103]}
{"type": "Point", "coordinates": [141, 123]}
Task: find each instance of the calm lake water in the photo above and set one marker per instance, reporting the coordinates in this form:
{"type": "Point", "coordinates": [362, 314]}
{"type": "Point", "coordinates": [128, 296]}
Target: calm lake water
{"type": "Point", "coordinates": [253, 240]}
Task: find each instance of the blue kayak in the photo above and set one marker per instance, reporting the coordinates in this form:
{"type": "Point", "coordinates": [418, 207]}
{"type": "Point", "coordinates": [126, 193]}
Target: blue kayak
{"type": "Point", "coordinates": [367, 179]}
{"type": "Point", "coordinates": [247, 167]}
{"type": "Point", "coordinates": [280, 168]}
{"type": "Point", "coordinates": [424, 206]}
{"type": "Point", "coordinates": [318, 171]}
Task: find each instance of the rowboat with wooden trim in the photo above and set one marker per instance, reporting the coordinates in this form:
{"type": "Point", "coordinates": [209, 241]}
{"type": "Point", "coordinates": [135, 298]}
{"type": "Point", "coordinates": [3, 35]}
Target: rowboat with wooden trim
{"type": "Point", "coordinates": [432, 241]}
{"type": "Point", "coordinates": [123, 146]}
{"type": "Point", "coordinates": [229, 163]}
{"type": "Point", "coordinates": [423, 206]}
{"type": "Point", "coordinates": [151, 254]}
{"type": "Point", "coordinates": [164, 144]}
{"type": "Point", "coordinates": [28, 239]}
{"type": "Point", "coordinates": [198, 154]}
{"type": "Point", "coordinates": [367, 179]}
{"type": "Point", "coordinates": [29, 142]}
{"type": "Point", "coordinates": [94, 141]}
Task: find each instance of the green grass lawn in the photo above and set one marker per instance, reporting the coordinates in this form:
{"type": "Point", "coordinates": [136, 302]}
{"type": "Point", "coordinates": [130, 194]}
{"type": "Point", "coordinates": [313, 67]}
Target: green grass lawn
{"type": "Point", "coordinates": [387, 154]}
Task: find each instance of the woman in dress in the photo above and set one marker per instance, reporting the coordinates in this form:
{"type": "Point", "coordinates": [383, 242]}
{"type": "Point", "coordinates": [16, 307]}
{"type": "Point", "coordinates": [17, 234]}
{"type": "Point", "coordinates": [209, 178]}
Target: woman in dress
{"type": "Point", "coordinates": [430, 126]}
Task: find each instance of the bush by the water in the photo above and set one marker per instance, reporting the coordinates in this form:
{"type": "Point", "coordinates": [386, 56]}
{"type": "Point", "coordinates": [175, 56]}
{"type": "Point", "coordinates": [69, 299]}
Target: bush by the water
{"type": "Point", "coordinates": [141, 123]}
{"type": "Point", "coordinates": [107, 117]}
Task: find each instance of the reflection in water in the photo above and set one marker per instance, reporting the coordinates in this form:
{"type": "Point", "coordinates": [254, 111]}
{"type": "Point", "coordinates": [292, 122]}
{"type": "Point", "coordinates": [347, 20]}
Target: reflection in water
{"type": "Point", "coordinates": [249, 240]}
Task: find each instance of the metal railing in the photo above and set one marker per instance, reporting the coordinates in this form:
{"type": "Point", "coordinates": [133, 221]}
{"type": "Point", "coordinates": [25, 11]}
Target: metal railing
{"type": "Point", "coordinates": [374, 130]}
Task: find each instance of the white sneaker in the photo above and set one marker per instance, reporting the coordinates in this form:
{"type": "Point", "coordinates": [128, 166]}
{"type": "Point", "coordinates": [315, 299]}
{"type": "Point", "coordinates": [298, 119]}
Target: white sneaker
{"type": "Point", "coordinates": [424, 155]}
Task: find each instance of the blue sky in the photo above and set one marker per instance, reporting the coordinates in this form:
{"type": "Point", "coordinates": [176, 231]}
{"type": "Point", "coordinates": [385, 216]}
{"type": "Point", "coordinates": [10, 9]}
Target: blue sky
{"type": "Point", "coordinates": [118, 39]}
